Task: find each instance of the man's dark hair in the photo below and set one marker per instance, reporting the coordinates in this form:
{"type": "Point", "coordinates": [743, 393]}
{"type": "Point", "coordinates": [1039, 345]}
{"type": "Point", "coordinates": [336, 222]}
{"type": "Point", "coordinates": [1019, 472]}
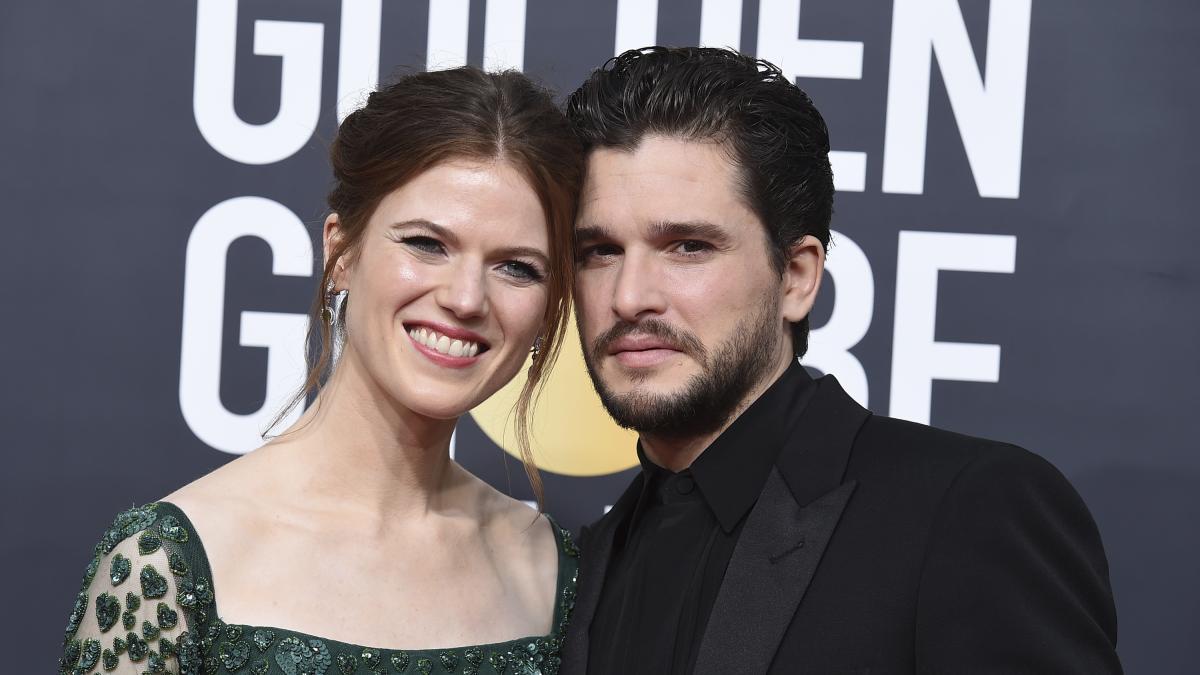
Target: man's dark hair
{"type": "Point", "coordinates": [771, 128]}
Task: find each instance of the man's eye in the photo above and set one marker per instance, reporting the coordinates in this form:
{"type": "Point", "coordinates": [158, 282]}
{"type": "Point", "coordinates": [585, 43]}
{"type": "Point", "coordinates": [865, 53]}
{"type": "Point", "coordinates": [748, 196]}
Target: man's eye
{"type": "Point", "coordinates": [692, 247]}
{"type": "Point", "coordinates": [423, 244]}
{"type": "Point", "coordinates": [598, 251]}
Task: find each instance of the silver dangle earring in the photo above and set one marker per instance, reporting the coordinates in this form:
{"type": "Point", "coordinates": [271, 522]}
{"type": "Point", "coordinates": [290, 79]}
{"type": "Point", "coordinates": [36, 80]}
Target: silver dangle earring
{"type": "Point", "coordinates": [537, 348]}
{"type": "Point", "coordinates": [327, 310]}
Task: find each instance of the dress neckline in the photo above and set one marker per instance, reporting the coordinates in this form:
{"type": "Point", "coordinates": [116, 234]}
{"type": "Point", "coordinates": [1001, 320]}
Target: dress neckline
{"type": "Point", "coordinates": [563, 600]}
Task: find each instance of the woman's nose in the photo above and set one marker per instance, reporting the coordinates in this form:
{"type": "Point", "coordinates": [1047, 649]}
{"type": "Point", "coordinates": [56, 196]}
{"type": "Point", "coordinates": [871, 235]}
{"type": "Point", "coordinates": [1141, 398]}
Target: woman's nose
{"type": "Point", "coordinates": [464, 291]}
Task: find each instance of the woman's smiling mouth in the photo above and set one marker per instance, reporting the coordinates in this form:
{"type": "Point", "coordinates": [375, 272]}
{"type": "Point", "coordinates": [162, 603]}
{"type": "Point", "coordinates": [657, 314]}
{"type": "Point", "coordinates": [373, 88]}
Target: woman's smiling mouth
{"type": "Point", "coordinates": [445, 345]}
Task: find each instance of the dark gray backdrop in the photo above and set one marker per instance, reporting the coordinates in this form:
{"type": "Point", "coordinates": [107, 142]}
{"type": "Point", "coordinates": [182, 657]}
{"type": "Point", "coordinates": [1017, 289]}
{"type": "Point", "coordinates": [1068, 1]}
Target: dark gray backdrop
{"type": "Point", "coordinates": [105, 174]}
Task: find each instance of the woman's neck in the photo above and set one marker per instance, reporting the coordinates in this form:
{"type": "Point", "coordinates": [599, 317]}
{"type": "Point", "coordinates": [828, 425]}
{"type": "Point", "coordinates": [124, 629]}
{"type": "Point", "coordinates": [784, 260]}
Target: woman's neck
{"type": "Point", "coordinates": [357, 449]}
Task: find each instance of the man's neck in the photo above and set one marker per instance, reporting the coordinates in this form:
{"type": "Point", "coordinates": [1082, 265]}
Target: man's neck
{"type": "Point", "coordinates": [676, 453]}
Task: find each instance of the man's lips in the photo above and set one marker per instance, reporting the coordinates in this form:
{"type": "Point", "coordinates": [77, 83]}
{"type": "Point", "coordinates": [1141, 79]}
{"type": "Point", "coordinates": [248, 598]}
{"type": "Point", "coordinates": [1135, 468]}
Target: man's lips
{"type": "Point", "coordinates": [642, 351]}
{"type": "Point", "coordinates": [640, 343]}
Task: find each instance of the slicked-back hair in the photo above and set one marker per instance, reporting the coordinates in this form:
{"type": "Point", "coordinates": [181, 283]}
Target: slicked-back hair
{"type": "Point", "coordinates": [773, 132]}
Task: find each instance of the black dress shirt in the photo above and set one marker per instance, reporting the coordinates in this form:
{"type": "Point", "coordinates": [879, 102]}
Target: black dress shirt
{"type": "Point", "coordinates": [669, 556]}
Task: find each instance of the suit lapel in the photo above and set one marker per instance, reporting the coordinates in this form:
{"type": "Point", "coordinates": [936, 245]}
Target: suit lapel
{"type": "Point", "coordinates": [596, 545]}
{"type": "Point", "coordinates": [771, 567]}
{"type": "Point", "coordinates": [784, 537]}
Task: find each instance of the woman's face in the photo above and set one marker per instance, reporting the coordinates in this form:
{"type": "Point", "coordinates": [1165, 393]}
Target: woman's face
{"type": "Point", "coordinates": [447, 289]}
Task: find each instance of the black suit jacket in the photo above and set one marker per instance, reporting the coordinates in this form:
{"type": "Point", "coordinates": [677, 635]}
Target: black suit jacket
{"type": "Point", "coordinates": [881, 546]}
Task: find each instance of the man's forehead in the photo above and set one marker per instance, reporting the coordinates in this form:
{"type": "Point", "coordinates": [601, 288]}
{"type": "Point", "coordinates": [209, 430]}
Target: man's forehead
{"type": "Point", "coordinates": [661, 185]}
{"type": "Point", "coordinates": [659, 154]}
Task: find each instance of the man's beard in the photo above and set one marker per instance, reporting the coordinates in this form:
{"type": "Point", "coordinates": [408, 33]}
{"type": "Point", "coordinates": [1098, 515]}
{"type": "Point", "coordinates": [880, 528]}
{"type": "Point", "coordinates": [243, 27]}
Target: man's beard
{"type": "Point", "coordinates": [705, 402]}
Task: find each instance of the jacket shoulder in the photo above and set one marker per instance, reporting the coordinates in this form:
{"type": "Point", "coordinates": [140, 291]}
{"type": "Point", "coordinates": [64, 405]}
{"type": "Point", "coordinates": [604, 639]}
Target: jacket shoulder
{"type": "Point", "coordinates": [900, 445]}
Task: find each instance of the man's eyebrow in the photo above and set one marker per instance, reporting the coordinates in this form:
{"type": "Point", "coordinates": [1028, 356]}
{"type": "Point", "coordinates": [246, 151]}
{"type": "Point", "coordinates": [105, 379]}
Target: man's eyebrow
{"type": "Point", "coordinates": [691, 229]}
{"type": "Point", "coordinates": [428, 225]}
{"type": "Point", "coordinates": [589, 233]}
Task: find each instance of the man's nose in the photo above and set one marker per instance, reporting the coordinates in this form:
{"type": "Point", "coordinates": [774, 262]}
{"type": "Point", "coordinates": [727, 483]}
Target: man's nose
{"type": "Point", "coordinates": [638, 292]}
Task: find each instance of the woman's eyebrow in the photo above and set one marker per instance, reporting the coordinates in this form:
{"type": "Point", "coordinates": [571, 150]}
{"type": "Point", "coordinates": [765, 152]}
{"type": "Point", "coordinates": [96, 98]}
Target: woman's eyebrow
{"type": "Point", "coordinates": [451, 238]}
{"type": "Point", "coordinates": [433, 227]}
{"type": "Point", "coordinates": [523, 252]}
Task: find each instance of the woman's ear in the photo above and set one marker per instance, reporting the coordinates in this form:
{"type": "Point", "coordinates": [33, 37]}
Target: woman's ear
{"type": "Point", "coordinates": [331, 236]}
{"type": "Point", "coordinates": [802, 273]}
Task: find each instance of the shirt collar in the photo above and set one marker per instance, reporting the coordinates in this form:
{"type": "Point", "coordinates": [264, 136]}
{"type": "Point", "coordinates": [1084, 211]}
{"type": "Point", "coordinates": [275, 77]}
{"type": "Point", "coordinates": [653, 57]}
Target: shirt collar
{"type": "Point", "coordinates": [732, 470]}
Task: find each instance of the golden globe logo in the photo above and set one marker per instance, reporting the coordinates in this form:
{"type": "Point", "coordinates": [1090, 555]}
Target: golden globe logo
{"type": "Point", "coordinates": [570, 432]}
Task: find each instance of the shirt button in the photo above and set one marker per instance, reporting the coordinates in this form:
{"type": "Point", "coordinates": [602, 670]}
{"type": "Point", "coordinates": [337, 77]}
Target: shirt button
{"type": "Point", "coordinates": [684, 485]}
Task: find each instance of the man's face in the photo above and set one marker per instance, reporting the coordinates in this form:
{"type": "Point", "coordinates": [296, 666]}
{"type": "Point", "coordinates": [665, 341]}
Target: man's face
{"type": "Point", "coordinates": [678, 297]}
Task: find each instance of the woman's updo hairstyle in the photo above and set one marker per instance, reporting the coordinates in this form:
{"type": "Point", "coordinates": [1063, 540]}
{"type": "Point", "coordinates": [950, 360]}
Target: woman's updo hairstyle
{"type": "Point", "coordinates": [422, 120]}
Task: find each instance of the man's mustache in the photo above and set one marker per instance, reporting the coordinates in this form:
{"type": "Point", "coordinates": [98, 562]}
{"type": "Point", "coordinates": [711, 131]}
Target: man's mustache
{"type": "Point", "coordinates": [676, 338]}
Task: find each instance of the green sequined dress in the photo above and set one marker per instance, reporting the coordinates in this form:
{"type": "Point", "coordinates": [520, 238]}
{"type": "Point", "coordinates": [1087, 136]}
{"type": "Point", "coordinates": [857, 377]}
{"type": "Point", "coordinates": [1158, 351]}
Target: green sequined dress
{"type": "Point", "coordinates": [147, 606]}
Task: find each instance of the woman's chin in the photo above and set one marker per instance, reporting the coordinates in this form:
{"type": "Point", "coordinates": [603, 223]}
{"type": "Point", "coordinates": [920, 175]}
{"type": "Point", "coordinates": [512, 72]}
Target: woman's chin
{"type": "Point", "coordinates": [440, 405]}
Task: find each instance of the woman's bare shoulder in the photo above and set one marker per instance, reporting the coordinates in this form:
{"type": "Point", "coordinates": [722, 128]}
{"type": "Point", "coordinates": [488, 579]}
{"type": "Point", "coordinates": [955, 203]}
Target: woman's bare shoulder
{"type": "Point", "coordinates": [524, 534]}
{"type": "Point", "coordinates": [227, 494]}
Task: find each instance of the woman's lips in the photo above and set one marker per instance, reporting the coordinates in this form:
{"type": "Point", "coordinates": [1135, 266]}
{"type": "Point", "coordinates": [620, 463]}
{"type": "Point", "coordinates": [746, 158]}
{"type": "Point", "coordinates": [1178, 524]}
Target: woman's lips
{"type": "Point", "coordinates": [445, 345]}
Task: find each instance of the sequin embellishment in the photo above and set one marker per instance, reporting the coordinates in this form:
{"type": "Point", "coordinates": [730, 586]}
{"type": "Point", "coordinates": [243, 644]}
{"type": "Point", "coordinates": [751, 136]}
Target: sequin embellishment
{"type": "Point", "coordinates": [108, 610]}
{"type": "Point", "coordinates": [148, 543]}
{"type": "Point", "coordinates": [77, 613]}
{"type": "Point", "coordinates": [90, 655]}
{"type": "Point", "coordinates": [125, 526]}
{"type": "Point", "coordinates": [192, 594]}
{"type": "Point", "coordinates": [234, 655]}
{"type": "Point", "coordinates": [372, 660]}
{"type": "Point", "coordinates": [154, 585]}
{"type": "Point", "coordinates": [296, 658]}
{"type": "Point", "coordinates": [167, 617]}
{"type": "Point", "coordinates": [70, 656]}
{"type": "Point", "coordinates": [170, 529]}
{"type": "Point", "coordinates": [137, 647]}
{"type": "Point", "coordinates": [263, 639]}
{"type": "Point", "coordinates": [119, 570]}
{"type": "Point", "coordinates": [155, 663]}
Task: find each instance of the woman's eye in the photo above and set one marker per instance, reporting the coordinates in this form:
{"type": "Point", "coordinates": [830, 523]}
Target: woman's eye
{"type": "Point", "coordinates": [522, 271]}
{"type": "Point", "coordinates": [423, 244]}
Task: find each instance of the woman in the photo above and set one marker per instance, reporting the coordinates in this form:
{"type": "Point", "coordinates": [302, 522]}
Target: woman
{"type": "Point", "coordinates": [352, 542]}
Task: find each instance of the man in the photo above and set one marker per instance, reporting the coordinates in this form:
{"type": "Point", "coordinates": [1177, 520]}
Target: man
{"type": "Point", "coordinates": [776, 525]}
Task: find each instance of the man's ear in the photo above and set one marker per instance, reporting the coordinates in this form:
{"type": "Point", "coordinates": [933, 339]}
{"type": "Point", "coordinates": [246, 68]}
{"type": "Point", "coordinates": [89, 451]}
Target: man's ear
{"type": "Point", "coordinates": [331, 236]}
{"type": "Point", "coordinates": [802, 277]}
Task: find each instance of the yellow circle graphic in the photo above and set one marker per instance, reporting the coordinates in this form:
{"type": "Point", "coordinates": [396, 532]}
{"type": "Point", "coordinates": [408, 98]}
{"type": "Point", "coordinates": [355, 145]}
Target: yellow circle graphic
{"type": "Point", "coordinates": [570, 432]}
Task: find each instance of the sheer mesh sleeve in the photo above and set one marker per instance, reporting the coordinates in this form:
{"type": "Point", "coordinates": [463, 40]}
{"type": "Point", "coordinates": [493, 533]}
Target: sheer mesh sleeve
{"type": "Point", "coordinates": [127, 618]}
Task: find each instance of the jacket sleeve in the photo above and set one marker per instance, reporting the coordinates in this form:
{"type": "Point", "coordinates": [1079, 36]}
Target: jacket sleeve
{"type": "Point", "coordinates": [1015, 579]}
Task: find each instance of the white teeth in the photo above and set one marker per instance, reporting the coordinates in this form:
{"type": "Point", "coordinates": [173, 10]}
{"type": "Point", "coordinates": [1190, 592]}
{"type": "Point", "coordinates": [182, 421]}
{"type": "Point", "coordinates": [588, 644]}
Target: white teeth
{"type": "Point", "coordinates": [443, 344]}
